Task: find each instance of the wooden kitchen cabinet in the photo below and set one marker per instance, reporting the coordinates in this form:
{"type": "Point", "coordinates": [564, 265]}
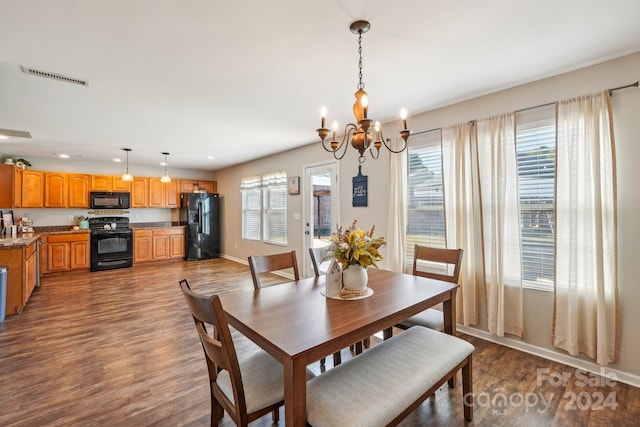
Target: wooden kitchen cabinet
{"type": "Point", "coordinates": [119, 185]}
{"type": "Point", "coordinates": [140, 192]}
{"type": "Point", "coordinates": [32, 189]}
{"type": "Point", "coordinates": [142, 245]}
{"type": "Point", "coordinates": [21, 276]}
{"type": "Point", "coordinates": [56, 189]}
{"type": "Point", "coordinates": [190, 185]}
{"type": "Point", "coordinates": [79, 185]}
{"type": "Point", "coordinates": [158, 244]}
{"type": "Point", "coordinates": [10, 186]}
{"type": "Point", "coordinates": [163, 195]}
{"type": "Point", "coordinates": [101, 183]}
{"type": "Point", "coordinates": [68, 252]}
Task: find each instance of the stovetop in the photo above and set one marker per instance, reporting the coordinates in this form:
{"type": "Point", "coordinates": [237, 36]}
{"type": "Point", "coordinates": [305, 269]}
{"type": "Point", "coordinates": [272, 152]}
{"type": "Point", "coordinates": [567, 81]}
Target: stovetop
{"type": "Point", "coordinates": [107, 222]}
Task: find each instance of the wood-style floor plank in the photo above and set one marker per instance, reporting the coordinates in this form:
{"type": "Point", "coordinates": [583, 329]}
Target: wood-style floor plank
{"type": "Point", "coordinates": [119, 348]}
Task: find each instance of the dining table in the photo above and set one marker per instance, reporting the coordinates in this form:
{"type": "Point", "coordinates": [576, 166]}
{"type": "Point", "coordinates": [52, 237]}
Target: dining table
{"type": "Point", "coordinates": [296, 324]}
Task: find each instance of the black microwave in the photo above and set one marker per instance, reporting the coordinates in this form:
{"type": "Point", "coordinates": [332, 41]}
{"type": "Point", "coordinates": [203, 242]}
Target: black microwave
{"type": "Point", "coordinates": [110, 200]}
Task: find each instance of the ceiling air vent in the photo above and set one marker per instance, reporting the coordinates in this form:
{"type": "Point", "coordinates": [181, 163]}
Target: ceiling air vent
{"type": "Point", "coordinates": [54, 76]}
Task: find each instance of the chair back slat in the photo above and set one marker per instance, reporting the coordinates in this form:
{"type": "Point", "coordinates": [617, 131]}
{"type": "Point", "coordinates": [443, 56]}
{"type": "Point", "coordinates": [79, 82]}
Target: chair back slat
{"type": "Point", "coordinates": [260, 264]}
{"type": "Point", "coordinates": [441, 256]}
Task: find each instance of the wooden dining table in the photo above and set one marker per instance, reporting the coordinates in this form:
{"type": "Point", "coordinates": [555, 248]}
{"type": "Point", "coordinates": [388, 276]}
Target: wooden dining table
{"type": "Point", "coordinates": [296, 324]}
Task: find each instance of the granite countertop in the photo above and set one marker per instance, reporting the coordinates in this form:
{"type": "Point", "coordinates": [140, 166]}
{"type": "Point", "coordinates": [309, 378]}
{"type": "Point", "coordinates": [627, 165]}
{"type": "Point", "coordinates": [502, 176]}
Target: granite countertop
{"type": "Point", "coordinates": [25, 239]}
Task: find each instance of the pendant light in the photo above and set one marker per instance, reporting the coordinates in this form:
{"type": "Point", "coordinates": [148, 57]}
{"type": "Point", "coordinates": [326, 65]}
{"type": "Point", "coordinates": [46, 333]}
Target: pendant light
{"type": "Point", "coordinates": [127, 177]}
{"type": "Point", "coordinates": [165, 178]}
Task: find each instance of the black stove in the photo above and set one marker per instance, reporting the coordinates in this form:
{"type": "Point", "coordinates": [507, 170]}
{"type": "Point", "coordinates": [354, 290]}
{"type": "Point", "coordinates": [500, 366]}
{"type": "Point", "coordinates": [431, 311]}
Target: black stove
{"type": "Point", "coordinates": [111, 243]}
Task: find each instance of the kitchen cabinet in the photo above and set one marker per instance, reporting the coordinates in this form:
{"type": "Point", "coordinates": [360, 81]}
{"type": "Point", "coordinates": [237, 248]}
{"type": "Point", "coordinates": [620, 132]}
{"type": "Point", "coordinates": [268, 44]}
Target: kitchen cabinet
{"type": "Point", "coordinates": [163, 195]}
{"type": "Point", "coordinates": [10, 186]}
{"type": "Point", "coordinates": [119, 185]}
{"type": "Point", "coordinates": [101, 182]}
{"type": "Point", "coordinates": [32, 189]}
{"type": "Point", "coordinates": [79, 185]}
{"type": "Point", "coordinates": [189, 186]}
{"type": "Point", "coordinates": [56, 188]}
{"type": "Point", "coordinates": [21, 275]}
{"type": "Point", "coordinates": [158, 244]}
{"type": "Point", "coordinates": [140, 192]}
{"type": "Point", "coordinates": [68, 252]}
{"type": "Point", "coordinates": [142, 246]}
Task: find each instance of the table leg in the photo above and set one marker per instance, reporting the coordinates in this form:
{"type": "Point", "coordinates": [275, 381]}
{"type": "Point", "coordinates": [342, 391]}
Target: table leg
{"type": "Point", "coordinates": [449, 311]}
{"type": "Point", "coordinates": [295, 393]}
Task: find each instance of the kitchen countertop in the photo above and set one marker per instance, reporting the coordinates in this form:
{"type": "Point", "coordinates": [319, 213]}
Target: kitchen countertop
{"type": "Point", "coordinates": [25, 239]}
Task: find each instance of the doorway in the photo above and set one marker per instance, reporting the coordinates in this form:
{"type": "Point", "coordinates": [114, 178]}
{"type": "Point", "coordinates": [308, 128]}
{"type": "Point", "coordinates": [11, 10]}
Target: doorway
{"type": "Point", "coordinates": [321, 207]}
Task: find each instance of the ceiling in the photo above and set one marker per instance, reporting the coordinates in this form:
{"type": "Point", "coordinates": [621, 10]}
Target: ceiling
{"type": "Point", "coordinates": [239, 80]}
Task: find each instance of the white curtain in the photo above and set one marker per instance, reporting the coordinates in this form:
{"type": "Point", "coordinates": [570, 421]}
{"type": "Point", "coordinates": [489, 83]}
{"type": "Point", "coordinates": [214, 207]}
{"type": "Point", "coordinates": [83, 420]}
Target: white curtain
{"type": "Point", "coordinates": [397, 208]}
{"type": "Point", "coordinates": [498, 172]}
{"type": "Point", "coordinates": [586, 318]}
{"type": "Point", "coordinates": [462, 216]}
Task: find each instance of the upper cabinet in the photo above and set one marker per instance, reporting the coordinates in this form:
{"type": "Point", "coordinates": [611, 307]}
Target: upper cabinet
{"type": "Point", "coordinates": [10, 186]}
{"type": "Point", "coordinates": [190, 185]}
{"type": "Point", "coordinates": [56, 189]}
{"type": "Point", "coordinates": [163, 195]}
{"type": "Point", "coordinates": [119, 185]}
{"type": "Point", "coordinates": [140, 192]}
{"type": "Point", "coordinates": [101, 182]}
{"type": "Point", "coordinates": [79, 185]}
{"type": "Point", "coordinates": [32, 189]}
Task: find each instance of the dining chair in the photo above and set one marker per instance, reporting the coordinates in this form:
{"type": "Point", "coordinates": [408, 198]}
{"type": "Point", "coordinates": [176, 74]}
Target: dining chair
{"type": "Point", "coordinates": [434, 263]}
{"type": "Point", "coordinates": [317, 255]}
{"type": "Point", "coordinates": [260, 264]}
{"type": "Point", "coordinates": [247, 388]}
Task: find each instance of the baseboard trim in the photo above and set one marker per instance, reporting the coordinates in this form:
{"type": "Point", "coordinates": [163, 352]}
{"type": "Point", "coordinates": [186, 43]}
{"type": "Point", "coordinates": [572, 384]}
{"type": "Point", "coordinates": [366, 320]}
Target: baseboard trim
{"type": "Point", "coordinates": [623, 377]}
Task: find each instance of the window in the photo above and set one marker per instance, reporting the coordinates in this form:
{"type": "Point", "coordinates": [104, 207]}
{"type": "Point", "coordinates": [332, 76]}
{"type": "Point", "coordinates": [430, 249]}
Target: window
{"type": "Point", "coordinates": [274, 198]}
{"type": "Point", "coordinates": [250, 189]}
{"type": "Point", "coordinates": [425, 214]}
{"type": "Point", "coordinates": [536, 148]}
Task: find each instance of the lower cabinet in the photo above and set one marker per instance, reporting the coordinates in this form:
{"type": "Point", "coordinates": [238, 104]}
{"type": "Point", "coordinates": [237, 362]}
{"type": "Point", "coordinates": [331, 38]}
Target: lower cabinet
{"type": "Point", "coordinates": [158, 244]}
{"type": "Point", "coordinates": [68, 252]}
{"type": "Point", "coordinates": [21, 276]}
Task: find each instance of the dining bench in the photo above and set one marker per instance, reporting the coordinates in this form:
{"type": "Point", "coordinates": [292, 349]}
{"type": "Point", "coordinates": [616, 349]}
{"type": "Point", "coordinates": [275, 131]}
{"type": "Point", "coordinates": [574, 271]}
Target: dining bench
{"type": "Point", "coordinates": [389, 381]}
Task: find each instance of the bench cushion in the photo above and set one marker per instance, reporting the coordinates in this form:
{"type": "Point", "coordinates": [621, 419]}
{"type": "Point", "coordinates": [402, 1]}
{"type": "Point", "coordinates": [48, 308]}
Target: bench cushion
{"type": "Point", "coordinates": [375, 387]}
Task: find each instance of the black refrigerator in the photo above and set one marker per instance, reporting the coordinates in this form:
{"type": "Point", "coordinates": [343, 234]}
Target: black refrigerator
{"type": "Point", "coordinates": [200, 212]}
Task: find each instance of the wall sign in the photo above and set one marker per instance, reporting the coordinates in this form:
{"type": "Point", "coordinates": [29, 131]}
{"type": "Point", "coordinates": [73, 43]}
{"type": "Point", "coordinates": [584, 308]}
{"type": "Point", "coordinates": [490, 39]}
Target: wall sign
{"type": "Point", "coordinates": [294, 185]}
{"type": "Point", "coordinates": [360, 189]}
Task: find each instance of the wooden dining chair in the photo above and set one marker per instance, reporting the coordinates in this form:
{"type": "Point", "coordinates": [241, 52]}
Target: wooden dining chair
{"type": "Point", "coordinates": [246, 388]}
{"type": "Point", "coordinates": [434, 263]}
{"type": "Point", "coordinates": [260, 264]}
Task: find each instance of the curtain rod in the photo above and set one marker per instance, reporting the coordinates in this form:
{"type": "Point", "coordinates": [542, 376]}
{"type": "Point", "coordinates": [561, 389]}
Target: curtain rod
{"type": "Point", "coordinates": [634, 84]}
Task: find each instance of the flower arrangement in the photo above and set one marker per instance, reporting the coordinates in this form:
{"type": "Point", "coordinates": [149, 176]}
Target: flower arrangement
{"type": "Point", "coordinates": [354, 246]}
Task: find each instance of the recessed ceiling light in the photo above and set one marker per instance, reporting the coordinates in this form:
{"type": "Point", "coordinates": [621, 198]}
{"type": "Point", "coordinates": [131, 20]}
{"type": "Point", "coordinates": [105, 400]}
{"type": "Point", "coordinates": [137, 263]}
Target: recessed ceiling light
{"type": "Point", "coordinates": [4, 137]}
{"type": "Point", "coordinates": [210, 157]}
{"type": "Point", "coordinates": [63, 156]}
{"type": "Point", "coordinates": [117, 160]}
{"type": "Point", "coordinates": [163, 163]}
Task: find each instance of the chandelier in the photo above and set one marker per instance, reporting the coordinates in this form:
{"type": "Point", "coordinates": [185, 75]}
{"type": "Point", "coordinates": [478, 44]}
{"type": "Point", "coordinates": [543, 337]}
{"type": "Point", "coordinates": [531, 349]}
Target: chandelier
{"type": "Point", "coordinates": [365, 135]}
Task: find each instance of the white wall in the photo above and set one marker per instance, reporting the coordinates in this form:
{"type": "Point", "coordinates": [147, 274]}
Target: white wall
{"type": "Point", "coordinates": [538, 304]}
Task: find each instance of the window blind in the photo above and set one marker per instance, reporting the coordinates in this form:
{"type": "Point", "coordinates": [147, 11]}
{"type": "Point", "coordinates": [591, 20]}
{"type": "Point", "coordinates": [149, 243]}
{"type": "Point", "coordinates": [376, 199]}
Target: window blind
{"type": "Point", "coordinates": [536, 148]}
{"type": "Point", "coordinates": [250, 189]}
{"type": "Point", "coordinates": [274, 198]}
{"type": "Point", "coordinates": [425, 213]}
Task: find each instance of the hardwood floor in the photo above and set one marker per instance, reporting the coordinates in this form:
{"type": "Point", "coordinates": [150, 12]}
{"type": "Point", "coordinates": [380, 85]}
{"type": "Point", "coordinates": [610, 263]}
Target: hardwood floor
{"type": "Point", "coordinates": [119, 348]}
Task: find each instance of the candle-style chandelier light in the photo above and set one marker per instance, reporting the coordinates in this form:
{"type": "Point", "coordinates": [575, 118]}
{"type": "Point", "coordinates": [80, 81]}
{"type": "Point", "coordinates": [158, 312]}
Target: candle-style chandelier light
{"type": "Point", "coordinates": [365, 134]}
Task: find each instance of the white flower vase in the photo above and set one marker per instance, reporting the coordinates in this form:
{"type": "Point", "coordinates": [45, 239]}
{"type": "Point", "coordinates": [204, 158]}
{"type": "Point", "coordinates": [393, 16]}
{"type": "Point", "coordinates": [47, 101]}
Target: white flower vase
{"type": "Point", "coordinates": [355, 278]}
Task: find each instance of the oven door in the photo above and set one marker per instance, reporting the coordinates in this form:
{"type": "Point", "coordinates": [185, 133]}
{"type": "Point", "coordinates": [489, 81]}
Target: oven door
{"type": "Point", "coordinates": [111, 249]}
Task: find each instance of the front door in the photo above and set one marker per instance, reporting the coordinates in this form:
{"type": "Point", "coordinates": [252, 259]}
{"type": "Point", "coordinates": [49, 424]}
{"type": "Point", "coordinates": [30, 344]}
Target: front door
{"type": "Point", "coordinates": [321, 207]}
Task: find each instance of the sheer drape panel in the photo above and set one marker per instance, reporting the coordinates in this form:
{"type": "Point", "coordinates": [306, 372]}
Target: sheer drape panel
{"type": "Point", "coordinates": [498, 174]}
{"type": "Point", "coordinates": [397, 209]}
{"type": "Point", "coordinates": [586, 318]}
{"type": "Point", "coordinates": [462, 216]}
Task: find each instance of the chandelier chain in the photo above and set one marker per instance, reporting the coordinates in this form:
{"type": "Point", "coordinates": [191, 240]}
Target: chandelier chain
{"type": "Point", "coordinates": [360, 84]}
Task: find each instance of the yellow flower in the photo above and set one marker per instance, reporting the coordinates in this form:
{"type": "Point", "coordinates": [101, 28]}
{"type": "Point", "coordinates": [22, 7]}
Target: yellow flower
{"type": "Point", "coordinates": [354, 246]}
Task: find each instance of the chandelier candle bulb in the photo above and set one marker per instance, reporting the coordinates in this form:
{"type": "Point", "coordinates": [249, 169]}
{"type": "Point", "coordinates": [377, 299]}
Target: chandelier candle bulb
{"type": "Point", "coordinates": [335, 128]}
{"type": "Point", "coordinates": [403, 115]}
{"type": "Point", "coordinates": [323, 113]}
{"type": "Point", "coordinates": [365, 105]}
